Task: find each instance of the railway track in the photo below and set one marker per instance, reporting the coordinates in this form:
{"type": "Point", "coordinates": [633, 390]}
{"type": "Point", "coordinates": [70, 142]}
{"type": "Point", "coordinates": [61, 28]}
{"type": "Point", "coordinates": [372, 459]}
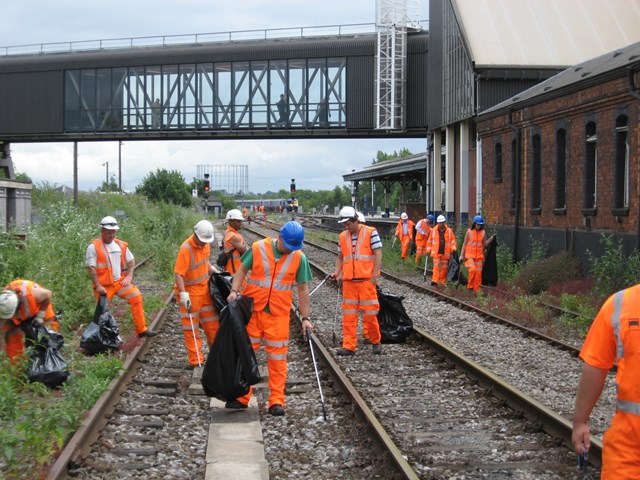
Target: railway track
{"type": "Point", "coordinates": [555, 457]}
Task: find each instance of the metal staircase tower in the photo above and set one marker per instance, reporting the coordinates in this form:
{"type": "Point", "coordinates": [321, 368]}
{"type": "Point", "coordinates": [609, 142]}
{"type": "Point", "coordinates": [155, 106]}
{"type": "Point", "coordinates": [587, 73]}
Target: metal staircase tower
{"type": "Point", "coordinates": [393, 19]}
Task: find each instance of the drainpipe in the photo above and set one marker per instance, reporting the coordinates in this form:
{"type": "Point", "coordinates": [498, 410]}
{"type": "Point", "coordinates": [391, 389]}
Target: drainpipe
{"type": "Point", "coordinates": [634, 93]}
{"type": "Point", "coordinates": [516, 227]}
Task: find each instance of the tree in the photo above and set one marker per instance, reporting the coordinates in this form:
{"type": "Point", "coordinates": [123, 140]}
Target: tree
{"type": "Point", "coordinates": [165, 186]}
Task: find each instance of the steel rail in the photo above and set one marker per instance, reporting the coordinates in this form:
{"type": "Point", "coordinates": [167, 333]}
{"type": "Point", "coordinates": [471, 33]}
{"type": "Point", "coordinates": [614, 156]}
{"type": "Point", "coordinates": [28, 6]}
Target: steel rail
{"type": "Point", "coordinates": [88, 431]}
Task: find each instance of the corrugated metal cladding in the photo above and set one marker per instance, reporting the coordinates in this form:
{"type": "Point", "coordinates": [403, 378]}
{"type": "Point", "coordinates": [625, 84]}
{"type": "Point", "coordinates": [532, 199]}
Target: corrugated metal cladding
{"type": "Point", "coordinates": [265, 50]}
{"type": "Point", "coordinates": [492, 92]}
{"type": "Point", "coordinates": [361, 92]}
{"type": "Point", "coordinates": [34, 100]}
{"type": "Point", "coordinates": [417, 110]}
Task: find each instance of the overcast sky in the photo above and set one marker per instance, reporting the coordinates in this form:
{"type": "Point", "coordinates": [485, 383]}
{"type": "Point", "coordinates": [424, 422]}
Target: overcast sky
{"type": "Point", "coordinates": [315, 164]}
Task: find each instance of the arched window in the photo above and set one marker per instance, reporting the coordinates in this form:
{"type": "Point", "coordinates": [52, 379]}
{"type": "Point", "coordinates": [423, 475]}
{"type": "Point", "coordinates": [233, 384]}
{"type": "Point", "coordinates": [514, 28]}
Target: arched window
{"type": "Point", "coordinates": [590, 168]}
{"type": "Point", "coordinates": [513, 174]}
{"type": "Point", "coordinates": [621, 177]}
{"type": "Point", "coordinates": [497, 163]}
{"type": "Point", "coordinates": [536, 172]}
{"type": "Point", "coordinates": [560, 197]}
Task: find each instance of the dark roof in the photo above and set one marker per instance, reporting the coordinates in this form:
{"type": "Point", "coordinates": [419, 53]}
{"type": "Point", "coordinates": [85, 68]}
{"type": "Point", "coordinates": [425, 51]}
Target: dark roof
{"type": "Point", "coordinates": [597, 70]}
{"type": "Point", "coordinates": [391, 169]}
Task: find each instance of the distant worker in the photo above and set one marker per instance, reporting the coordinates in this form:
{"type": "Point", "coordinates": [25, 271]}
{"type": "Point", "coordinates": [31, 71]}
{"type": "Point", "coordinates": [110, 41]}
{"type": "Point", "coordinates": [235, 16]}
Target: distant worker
{"type": "Point", "coordinates": [283, 112]}
{"type": "Point", "coordinates": [365, 330]}
{"type": "Point", "coordinates": [358, 266]}
{"type": "Point", "coordinates": [472, 253]}
{"type": "Point", "coordinates": [276, 265]}
{"type": "Point", "coordinates": [613, 338]}
{"type": "Point", "coordinates": [423, 230]}
{"type": "Point", "coordinates": [233, 243]}
{"type": "Point", "coordinates": [323, 113]}
{"type": "Point", "coordinates": [111, 264]}
{"type": "Point", "coordinates": [404, 232]}
{"type": "Point", "coordinates": [21, 301]}
{"type": "Point", "coordinates": [442, 242]}
{"type": "Point", "coordinates": [192, 271]}
{"type": "Point", "coordinates": [244, 212]}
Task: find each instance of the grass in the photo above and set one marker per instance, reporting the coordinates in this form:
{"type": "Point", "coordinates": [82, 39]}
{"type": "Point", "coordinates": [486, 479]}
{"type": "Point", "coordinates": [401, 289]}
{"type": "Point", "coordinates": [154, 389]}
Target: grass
{"type": "Point", "coordinates": [36, 421]}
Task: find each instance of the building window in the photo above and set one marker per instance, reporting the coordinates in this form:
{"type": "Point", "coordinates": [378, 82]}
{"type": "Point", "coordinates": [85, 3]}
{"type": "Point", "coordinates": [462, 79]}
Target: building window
{"type": "Point", "coordinates": [536, 174]}
{"type": "Point", "coordinates": [621, 177]}
{"type": "Point", "coordinates": [513, 174]}
{"type": "Point", "coordinates": [497, 163]}
{"type": "Point", "coordinates": [560, 200]}
{"type": "Point", "coordinates": [590, 169]}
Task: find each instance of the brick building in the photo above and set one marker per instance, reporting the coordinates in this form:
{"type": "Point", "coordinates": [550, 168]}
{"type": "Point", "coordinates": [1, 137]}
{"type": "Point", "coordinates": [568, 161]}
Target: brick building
{"type": "Point", "coordinates": [562, 159]}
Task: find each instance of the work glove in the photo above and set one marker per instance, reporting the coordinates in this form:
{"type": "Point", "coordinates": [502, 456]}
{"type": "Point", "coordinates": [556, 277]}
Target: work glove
{"type": "Point", "coordinates": [185, 301]}
{"type": "Point", "coordinates": [39, 318]}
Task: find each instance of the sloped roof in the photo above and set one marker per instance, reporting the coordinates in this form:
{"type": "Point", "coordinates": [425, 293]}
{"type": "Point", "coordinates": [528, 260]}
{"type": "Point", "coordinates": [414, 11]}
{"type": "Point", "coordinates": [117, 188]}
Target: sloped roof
{"type": "Point", "coordinates": [573, 77]}
{"type": "Point", "coordinates": [546, 32]}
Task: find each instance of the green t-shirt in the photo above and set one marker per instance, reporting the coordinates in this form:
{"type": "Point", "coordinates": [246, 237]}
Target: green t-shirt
{"type": "Point", "coordinates": [303, 275]}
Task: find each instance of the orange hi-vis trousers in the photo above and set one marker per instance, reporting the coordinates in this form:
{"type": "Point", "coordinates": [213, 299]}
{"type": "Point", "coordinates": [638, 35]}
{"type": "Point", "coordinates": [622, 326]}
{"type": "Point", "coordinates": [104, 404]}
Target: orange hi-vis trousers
{"type": "Point", "coordinates": [474, 265]}
{"type": "Point", "coordinates": [203, 313]}
{"type": "Point", "coordinates": [274, 331]}
{"type": "Point", "coordinates": [359, 296]}
{"type": "Point", "coordinates": [620, 457]}
{"type": "Point", "coordinates": [130, 294]}
{"type": "Point", "coordinates": [14, 338]}
{"type": "Point", "coordinates": [440, 266]}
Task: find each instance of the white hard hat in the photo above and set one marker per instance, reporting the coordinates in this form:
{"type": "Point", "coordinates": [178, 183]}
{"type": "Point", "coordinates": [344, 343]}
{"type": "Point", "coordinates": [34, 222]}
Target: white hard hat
{"type": "Point", "coordinates": [109, 223]}
{"type": "Point", "coordinates": [404, 216]}
{"type": "Point", "coordinates": [361, 217]}
{"type": "Point", "coordinates": [8, 304]}
{"type": "Point", "coordinates": [347, 213]}
{"type": "Point", "coordinates": [234, 214]}
{"type": "Point", "coordinates": [441, 219]}
{"type": "Point", "coordinates": [204, 231]}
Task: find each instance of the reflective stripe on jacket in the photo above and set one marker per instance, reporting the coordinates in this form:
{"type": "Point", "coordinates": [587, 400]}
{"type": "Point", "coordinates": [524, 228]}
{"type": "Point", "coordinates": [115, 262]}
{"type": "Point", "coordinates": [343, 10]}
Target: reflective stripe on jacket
{"type": "Point", "coordinates": [198, 272]}
{"type": "Point", "coordinates": [271, 282]}
{"type": "Point", "coordinates": [433, 245]}
{"type": "Point", "coordinates": [28, 306]}
{"type": "Point", "coordinates": [358, 262]}
{"type": "Point", "coordinates": [104, 272]}
{"type": "Point", "coordinates": [475, 244]}
{"type": "Point", "coordinates": [625, 323]}
{"type": "Point", "coordinates": [234, 261]}
{"type": "Point", "coordinates": [400, 230]}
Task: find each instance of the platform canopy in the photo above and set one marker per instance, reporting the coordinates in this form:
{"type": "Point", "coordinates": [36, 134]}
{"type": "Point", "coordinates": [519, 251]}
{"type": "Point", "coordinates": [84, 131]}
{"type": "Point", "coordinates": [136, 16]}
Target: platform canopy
{"type": "Point", "coordinates": [413, 167]}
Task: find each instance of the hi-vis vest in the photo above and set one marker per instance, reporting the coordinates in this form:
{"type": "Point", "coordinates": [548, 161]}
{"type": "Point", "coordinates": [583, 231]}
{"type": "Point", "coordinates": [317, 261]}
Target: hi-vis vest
{"type": "Point", "coordinates": [625, 321]}
{"type": "Point", "coordinates": [103, 261]}
{"type": "Point", "coordinates": [358, 262]}
{"type": "Point", "coordinates": [271, 282]}
{"type": "Point", "coordinates": [28, 306]}
{"type": "Point", "coordinates": [475, 244]}
{"type": "Point", "coordinates": [198, 271]}
{"type": "Point", "coordinates": [234, 260]}
{"type": "Point", "coordinates": [433, 245]}
{"type": "Point", "coordinates": [421, 227]}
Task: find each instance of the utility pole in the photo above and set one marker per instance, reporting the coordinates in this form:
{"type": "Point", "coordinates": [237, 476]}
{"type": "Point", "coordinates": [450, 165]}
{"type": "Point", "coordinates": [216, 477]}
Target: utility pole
{"type": "Point", "coordinates": [120, 166]}
{"type": "Point", "coordinates": [106, 180]}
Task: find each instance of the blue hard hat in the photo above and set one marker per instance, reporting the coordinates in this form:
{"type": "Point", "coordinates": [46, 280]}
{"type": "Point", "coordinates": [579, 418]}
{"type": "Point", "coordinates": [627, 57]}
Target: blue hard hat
{"type": "Point", "coordinates": [292, 235]}
{"type": "Point", "coordinates": [431, 218]}
{"type": "Point", "coordinates": [478, 219]}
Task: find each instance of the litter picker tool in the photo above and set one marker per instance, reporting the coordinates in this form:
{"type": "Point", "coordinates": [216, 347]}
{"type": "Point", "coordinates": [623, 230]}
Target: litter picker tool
{"type": "Point", "coordinates": [315, 367]}
{"type": "Point", "coordinates": [195, 342]}
{"type": "Point", "coordinates": [394, 242]}
{"type": "Point", "coordinates": [321, 283]}
{"type": "Point", "coordinates": [335, 318]}
{"type": "Point", "coordinates": [426, 262]}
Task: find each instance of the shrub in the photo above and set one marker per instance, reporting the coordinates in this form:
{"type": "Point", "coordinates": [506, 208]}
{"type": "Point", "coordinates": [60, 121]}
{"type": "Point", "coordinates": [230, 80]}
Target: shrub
{"type": "Point", "coordinates": [538, 276]}
{"type": "Point", "coordinates": [614, 270]}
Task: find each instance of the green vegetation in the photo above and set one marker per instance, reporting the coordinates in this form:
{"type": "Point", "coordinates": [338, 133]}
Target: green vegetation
{"type": "Point", "coordinates": [36, 421]}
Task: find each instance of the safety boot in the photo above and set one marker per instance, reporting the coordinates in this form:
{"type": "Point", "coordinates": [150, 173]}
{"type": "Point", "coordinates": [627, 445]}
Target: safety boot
{"type": "Point", "coordinates": [376, 349]}
{"type": "Point", "coordinates": [345, 352]}
{"type": "Point", "coordinates": [276, 410]}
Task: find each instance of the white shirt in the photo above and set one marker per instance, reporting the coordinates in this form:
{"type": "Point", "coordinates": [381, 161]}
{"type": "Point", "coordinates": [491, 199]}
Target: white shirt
{"type": "Point", "coordinates": [115, 253]}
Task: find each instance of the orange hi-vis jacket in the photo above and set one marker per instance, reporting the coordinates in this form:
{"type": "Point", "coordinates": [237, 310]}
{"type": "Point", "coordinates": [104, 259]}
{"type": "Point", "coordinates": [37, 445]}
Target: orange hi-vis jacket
{"type": "Point", "coordinates": [271, 282]}
{"type": "Point", "coordinates": [475, 244]}
{"type": "Point", "coordinates": [28, 306]}
{"type": "Point", "coordinates": [423, 226]}
{"type": "Point", "coordinates": [433, 244]}
{"type": "Point", "coordinates": [358, 262]}
{"type": "Point", "coordinates": [399, 229]}
{"type": "Point", "coordinates": [197, 275]}
{"type": "Point", "coordinates": [103, 262]}
{"type": "Point", "coordinates": [234, 261]}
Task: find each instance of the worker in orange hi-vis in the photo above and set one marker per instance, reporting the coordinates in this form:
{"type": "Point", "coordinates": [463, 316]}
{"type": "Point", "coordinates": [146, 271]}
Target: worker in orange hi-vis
{"type": "Point", "coordinates": [21, 301]}
{"type": "Point", "coordinates": [614, 338]}
{"type": "Point", "coordinates": [472, 252]}
{"type": "Point", "coordinates": [232, 240]}
{"type": "Point", "coordinates": [192, 271]}
{"type": "Point", "coordinates": [423, 230]}
{"type": "Point", "coordinates": [404, 232]}
{"type": "Point", "coordinates": [441, 243]}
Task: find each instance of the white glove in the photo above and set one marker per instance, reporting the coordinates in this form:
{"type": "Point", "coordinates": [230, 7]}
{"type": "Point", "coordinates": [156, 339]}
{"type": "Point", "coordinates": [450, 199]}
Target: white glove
{"type": "Point", "coordinates": [39, 318]}
{"type": "Point", "coordinates": [185, 301]}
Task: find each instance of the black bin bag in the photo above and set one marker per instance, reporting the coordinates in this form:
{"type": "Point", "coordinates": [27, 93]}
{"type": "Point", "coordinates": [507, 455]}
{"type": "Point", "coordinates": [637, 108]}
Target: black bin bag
{"type": "Point", "coordinates": [231, 367]}
{"type": "Point", "coordinates": [46, 363]}
{"type": "Point", "coordinates": [454, 272]}
{"type": "Point", "coordinates": [102, 334]}
{"type": "Point", "coordinates": [220, 288]}
{"type": "Point", "coordinates": [490, 267]}
{"type": "Point", "coordinates": [395, 324]}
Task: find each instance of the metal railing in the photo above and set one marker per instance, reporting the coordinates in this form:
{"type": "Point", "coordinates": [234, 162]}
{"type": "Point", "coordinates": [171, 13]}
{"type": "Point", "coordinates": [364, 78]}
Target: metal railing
{"type": "Point", "coordinates": [187, 39]}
